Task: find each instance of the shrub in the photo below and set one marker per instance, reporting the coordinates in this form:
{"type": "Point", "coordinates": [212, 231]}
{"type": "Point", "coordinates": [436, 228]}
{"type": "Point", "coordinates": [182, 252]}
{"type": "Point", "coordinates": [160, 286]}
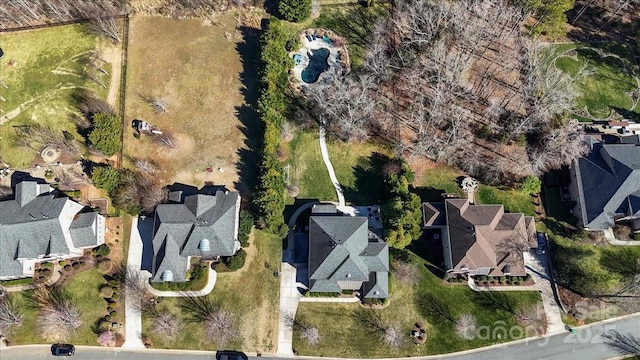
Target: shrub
{"type": "Point", "coordinates": [237, 261]}
{"type": "Point", "coordinates": [109, 308]}
{"type": "Point", "coordinates": [516, 283]}
{"type": "Point", "coordinates": [106, 291]}
{"type": "Point", "coordinates": [102, 250]}
{"type": "Point", "coordinates": [244, 229]}
{"type": "Point", "coordinates": [531, 185]}
{"type": "Point", "coordinates": [62, 263]}
{"type": "Point", "coordinates": [115, 296]}
{"type": "Point", "coordinates": [295, 10]}
{"type": "Point", "coordinates": [106, 177]}
{"type": "Point", "coordinates": [46, 272]}
{"type": "Point", "coordinates": [67, 268]}
{"type": "Point", "coordinates": [47, 265]}
{"type": "Point", "coordinates": [104, 265]}
{"type": "Point", "coordinates": [105, 133]}
{"type": "Point", "coordinates": [75, 265]}
{"type": "Point", "coordinates": [108, 318]}
{"type": "Point", "coordinates": [106, 338]}
{"type": "Point", "coordinates": [113, 314]}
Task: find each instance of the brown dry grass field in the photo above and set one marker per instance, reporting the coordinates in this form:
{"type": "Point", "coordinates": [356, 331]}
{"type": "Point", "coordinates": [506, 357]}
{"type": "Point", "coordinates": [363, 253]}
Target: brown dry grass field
{"type": "Point", "coordinates": [199, 70]}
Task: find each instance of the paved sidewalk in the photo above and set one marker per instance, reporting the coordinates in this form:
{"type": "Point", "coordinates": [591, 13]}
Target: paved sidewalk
{"type": "Point", "coordinates": [608, 234]}
{"type": "Point", "coordinates": [352, 299]}
{"type": "Point", "coordinates": [538, 267]}
{"type": "Point", "coordinates": [211, 283]}
{"type": "Point", "coordinates": [327, 162]}
{"type": "Point", "coordinates": [133, 317]}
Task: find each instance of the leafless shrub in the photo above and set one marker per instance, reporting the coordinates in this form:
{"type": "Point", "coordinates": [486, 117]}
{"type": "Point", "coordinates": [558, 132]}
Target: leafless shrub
{"type": "Point", "coordinates": [392, 336]}
{"type": "Point", "coordinates": [406, 273]}
{"type": "Point", "coordinates": [166, 324]}
{"type": "Point", "coordinates": [59, 316]}
{"type": "Point", "coordinates": [143, 165]}
{"type": "Point", "coordinates": [10, 315]}
{"type": "Point", "coordinates": [219, 327]}
{"type": "Point", "coordinates": [466, 326]}
{"type": "Point", "coordinates": [311, 334]}
{"type": "Point", "coordinates": [218, 323]}
{"type": "Point", "coordinates": [158, 104]}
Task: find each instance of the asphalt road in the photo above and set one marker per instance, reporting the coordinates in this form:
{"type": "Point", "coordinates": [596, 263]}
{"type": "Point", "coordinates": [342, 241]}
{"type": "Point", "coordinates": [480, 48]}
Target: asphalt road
{"type": "Point", "coordinates": [586, 344]}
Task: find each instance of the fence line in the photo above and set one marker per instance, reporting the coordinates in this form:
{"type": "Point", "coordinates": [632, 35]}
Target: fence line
{"type": "Point", "coordinates": [123, 85]}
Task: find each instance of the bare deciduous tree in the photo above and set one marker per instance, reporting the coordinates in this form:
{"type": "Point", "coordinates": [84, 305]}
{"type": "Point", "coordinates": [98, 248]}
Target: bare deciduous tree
{"type": "Point", "coordinates": [311, 334]}
{"type": "Point", "coordinates": [39, 136]}
{"type": "Point", "coordinates": [218, 323]}
{"type": "Point", "coordinates": [406, 273]}
{"type": "Point", "coordinates": [59, 316]}
{"type": "Point", "coordinates": [166, 139]}
{"type": "Point", "coordinates": [466, 326]}
{"type": "Point", "coordinates": [106, 26]}
{"type": "Point", "coordinates": [166, 324]}
{"type": "Point", "coordinates": [10, 315]}
{"type": "Point", "coordinates": [158, 104]}
{"type": "Point", "coordinates": [390, 334]}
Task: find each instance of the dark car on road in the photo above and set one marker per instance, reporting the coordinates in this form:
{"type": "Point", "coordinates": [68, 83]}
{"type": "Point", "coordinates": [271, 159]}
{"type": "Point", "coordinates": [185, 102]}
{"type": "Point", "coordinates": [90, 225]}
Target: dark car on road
{"type": "Point", "coordinates": [63, 350]}
{"type": "Point", "coordinates": [542, 243]}
{"type": "Point", "coordinates": [231, 355]}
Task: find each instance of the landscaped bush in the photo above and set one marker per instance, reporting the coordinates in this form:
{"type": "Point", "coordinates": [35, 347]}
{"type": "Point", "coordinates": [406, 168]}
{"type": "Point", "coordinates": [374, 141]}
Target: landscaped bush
{"type": "Point", "coordinates": [67, 268]}
{"type": "Point", "coordinates": [106, 291]}
{"type": "Point", "coordinates": [75, 265]}
{"type": "Point", "coordinates": [244, 229]}
{"type": "Point", "coordinates": [102, 250]}
{"type": "Point", "coordinates": [47, 265]}
{"type": "Point", "coordinates": [62, 263]}
{"type": "Point", "coordinates": [236, 261]}
{"type": "Point", "coordinates": [104, 265]}
{"type": "Point", "coordinates": [105, 133]}
{"type": "Point", "coordinates": [113, 314]}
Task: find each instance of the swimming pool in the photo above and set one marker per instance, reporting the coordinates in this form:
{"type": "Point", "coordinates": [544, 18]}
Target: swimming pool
{"type": "Point", "coordinates": [317, 65]}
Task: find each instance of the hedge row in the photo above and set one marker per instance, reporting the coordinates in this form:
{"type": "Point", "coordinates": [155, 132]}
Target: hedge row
{"type": "Point", "coordinates": [272, 107]}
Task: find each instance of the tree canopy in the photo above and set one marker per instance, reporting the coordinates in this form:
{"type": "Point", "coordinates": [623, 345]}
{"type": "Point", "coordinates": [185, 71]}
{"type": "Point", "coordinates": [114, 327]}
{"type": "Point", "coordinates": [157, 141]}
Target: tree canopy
{"type": "Point", "coordinates": [105, 133]}
{"type": "Point", "coordinates": [295, 10]}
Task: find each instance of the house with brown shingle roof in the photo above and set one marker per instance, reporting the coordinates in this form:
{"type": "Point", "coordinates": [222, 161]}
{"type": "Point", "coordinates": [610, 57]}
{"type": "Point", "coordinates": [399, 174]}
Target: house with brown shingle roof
{"type": "Point", "coordinates": [480, 239]}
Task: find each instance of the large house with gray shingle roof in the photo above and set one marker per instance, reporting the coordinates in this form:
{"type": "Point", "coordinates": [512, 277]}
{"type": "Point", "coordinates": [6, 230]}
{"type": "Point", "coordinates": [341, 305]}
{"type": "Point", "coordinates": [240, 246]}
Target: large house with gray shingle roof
{"type": "Point", "coordinates": [606, 185]}
{"type": "Point", "coordinates": [37, 226]}
{"type": "Point", "coordinates": [344, 254]}
{"type": "Point", "coordinates": [199, 225]}
{"type": "Point", "coordinates": [480, 239]}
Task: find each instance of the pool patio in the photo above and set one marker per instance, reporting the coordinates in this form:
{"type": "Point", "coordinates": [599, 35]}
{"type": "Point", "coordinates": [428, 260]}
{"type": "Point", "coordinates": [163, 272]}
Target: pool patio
{"type": "Point", "coordinates": [312, 40]}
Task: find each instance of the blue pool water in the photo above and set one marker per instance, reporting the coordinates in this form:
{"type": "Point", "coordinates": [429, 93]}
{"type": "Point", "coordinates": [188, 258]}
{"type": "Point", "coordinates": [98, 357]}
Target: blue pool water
{"type": "Point", "coordinates": [317, 65]}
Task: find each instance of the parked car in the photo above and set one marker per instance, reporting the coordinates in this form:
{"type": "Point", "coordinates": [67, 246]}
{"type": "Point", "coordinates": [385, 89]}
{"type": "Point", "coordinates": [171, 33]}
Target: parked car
{"type": "Point", "coordinates": [231, 355]}
{"type": "Point", "coordinates": [542, 243]}
{"type": "Point", "coordinates": [63, 350]}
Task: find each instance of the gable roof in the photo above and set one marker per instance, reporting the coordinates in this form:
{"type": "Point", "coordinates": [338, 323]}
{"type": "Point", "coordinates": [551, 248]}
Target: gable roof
{"type": "Point", "coordinates": [181, 230]}
{"type": "Point", "coordinates": [606, 178]}
{"type": "Point", "coordinates": [477, 235]}
{"type": "Point", "coordinates": [83, 229]}
{"type": "Point", "coordinates": [342, 255]}
{"type": "Point", "coordinates": [35, 224]}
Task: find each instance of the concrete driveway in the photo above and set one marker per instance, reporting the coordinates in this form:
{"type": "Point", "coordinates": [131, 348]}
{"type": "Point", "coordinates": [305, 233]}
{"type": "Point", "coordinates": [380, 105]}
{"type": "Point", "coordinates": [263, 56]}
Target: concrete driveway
{"type": "Point", "coordinates": [538, 267]}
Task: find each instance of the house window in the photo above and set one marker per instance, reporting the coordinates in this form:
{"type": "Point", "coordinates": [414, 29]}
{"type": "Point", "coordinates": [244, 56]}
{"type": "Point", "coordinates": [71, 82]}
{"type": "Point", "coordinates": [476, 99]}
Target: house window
{"type": "Point", "coordinates": [166, 276]}
{"type": "Point", "coordinates": [204, 245]}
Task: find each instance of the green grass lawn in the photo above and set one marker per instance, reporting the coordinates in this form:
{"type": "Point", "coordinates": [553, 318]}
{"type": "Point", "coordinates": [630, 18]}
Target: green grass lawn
{"type": "Point", "coordinates": [250, 294]}
{"type": "Point", "coordinates": [606, 80]}
{"type": "Point", "coordinates": [343, 335]}
{"type": "Point", "coordinates": [308, 171]}
{"type": "Point", "coordinates": [50, 64]}
{"type": "Point", "coordinates": [85, 289]}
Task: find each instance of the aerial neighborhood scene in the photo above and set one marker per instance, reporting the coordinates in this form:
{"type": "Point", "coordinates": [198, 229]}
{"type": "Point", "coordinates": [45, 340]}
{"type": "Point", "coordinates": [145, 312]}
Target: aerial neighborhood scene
{"type": "Point", "coordinates": [356, 179]}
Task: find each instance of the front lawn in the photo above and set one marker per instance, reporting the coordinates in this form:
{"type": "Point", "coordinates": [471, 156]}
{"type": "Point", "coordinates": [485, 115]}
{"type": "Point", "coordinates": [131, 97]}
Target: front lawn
{"type": "Point", "coordinates": [250, 294]}
{"type": "Point", "coordinates": [342, 334]}
{"type": "Point", "coordinates": [85, 291]}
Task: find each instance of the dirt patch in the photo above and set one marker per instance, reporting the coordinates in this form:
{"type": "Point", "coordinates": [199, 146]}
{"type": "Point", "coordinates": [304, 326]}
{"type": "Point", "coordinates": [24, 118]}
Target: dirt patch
{"type": "Point", "coordinates": [419, 165]}
{"type": "Point", "coordinates": [114, 238]}
{"type": "Point", "coordinates": [113, 56]}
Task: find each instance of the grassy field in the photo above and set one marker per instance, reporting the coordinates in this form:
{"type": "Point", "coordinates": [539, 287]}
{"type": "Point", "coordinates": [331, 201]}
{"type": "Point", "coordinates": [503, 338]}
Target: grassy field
{"type": "Point", "coordinates": [207, 76]}
{"type": "Point", "coordinates": [49, 65]}
{"type": "Point", "coordinates": [343, 335]}
{"type": "Point", "coordinates": [250, 294]}
{"type": "Point", "coordinates": [85, 288]}
{"type": "Point", "coordinates": [307, 169]}
{"type": "Point", "coordinates": [605, 73]}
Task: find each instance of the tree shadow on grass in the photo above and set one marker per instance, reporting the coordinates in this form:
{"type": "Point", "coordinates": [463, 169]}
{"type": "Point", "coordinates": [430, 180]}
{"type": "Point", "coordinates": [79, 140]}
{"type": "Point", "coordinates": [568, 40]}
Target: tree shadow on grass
{"type": "Point", "coordinates": [368, 187]}
{"type": "Point", "coordinates": [248, 115]}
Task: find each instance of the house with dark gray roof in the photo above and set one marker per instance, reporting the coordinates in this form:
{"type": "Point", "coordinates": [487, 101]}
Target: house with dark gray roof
{"type": "Point", "coordinates": [480, 239]}
{"type": "Point", "coordinates": [344, 254]}
{"type": "Point", "coordinates": [198, 225]}
{"type": "Point", "coordinates": [37, 226]}
{"type": "Point", "coordinates": [606, 185]}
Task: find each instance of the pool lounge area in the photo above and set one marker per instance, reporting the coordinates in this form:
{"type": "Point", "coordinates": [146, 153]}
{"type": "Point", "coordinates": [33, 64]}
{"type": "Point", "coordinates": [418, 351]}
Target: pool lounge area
{"type": "Point", "coordinates": [321, 58]}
